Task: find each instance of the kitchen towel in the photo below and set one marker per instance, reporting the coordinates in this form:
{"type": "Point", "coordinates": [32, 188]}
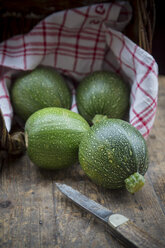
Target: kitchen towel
{"type": "Point", "coordinates": [77, 42]}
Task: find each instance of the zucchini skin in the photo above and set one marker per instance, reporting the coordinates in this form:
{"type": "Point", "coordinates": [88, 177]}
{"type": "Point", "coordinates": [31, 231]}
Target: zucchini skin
{"type": "Point", "coordinates": [112, 151]}
{"type": "Point", "coordinates": [40, 88]}
{"type": "Point", "coordinates": [53, 136]}
{"type": "Point", "coordinates": [103, 93]}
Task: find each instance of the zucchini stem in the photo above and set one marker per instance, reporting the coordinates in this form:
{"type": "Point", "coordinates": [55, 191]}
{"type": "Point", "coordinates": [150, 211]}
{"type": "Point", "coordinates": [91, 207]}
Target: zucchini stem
{"type": "Point", "coordinates": [99, 118]}
{"type": "Point", "coordinates": [134, 182]}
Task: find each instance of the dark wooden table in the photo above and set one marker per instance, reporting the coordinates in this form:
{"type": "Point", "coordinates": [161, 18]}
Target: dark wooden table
{"type": "Point", "coordinates": [33, 213]}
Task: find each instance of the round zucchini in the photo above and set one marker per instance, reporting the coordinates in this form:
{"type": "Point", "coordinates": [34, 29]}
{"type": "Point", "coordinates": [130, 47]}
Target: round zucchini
{"type": "Point", "coordinates": [43, 87]}
{"type": "Point", "coordinates": [102, 93]}
{"type": "Point", "coordinates": [114, 154]}
{"type": "Point", "coordinates": [53, 136]}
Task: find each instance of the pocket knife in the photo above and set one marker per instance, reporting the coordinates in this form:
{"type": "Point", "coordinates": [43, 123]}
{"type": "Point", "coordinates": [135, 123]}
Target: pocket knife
{"type": "Point", "coordinates": [123, 229]}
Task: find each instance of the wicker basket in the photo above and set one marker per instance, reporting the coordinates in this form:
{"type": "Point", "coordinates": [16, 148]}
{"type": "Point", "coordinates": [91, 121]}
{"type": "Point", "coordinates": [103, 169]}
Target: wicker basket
{"type": "Point", "coordinates": [17, 18]}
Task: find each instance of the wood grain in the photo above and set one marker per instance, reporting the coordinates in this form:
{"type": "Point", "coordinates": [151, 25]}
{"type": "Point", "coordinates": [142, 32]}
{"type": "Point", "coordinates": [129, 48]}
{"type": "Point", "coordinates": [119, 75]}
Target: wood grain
{"type": "Point", "coordinates": [33, 213]}
{"type": "Point", "coordinates": [134, 237]}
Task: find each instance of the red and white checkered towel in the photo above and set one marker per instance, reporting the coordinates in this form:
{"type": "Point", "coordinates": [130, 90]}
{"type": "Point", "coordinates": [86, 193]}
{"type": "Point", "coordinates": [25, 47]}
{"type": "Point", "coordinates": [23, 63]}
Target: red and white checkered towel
{"type": "Point", "coordinates": [77, 42]}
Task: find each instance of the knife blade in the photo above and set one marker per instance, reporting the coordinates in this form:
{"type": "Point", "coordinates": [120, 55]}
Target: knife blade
{"type": "Point", "coordinates": [123, 229]}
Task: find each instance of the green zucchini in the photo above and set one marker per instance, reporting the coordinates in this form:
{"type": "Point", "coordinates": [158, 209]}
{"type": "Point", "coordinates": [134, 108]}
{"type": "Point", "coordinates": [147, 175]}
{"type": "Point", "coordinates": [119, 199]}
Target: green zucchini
{"type": "Point", "coordinates": [40, 88]}
{"type": "Point", "coordinates": [53, 136]}
{"type": "Point", "coordinates": [114, 155]}
{"type": "Point", "coordinates": [103, 93]}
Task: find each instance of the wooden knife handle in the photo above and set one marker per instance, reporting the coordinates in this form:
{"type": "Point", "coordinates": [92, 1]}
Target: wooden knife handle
{"type": "Point", "coordinates": [132, 236]}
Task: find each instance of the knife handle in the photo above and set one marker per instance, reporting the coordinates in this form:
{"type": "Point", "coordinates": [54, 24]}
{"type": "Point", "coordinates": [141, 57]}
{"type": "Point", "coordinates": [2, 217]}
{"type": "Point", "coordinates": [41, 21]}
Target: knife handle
{"type": "Point", "coordinates": [131, 235]}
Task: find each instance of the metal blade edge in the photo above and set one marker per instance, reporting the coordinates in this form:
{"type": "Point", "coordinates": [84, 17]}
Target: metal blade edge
{"type": "Point", "coordinates": [84, 202]}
